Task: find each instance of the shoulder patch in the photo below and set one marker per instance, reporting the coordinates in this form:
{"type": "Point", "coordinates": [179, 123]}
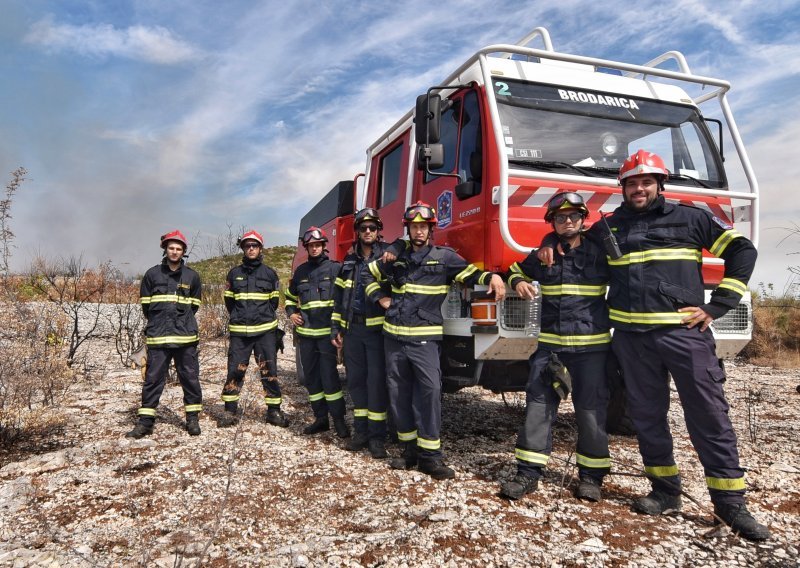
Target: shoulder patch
{"type": "Point", "coordinates": [722, 223]}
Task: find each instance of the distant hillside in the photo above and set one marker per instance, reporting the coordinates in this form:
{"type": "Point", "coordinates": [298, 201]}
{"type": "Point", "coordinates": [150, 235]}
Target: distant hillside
{"type": "Point", "coordinates": [213, 270]}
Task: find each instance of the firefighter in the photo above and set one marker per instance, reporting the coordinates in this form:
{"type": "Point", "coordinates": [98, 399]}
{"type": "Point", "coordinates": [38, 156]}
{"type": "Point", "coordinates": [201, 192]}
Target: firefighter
{"type": "Point", "coordinates": [412, 329]}
{"type": "Point", "coordinates": [252, 293]}
{"type": "Point", "coordinates": [309, 305]}
{"type": "Point", "coordinates": [362, 321]}
{"type": "Point", "coordinates": [170, 296]}
{"type": "Point", "coordinates": [573, 344]}
{"type": "Point", "coordinates": [660, 319]}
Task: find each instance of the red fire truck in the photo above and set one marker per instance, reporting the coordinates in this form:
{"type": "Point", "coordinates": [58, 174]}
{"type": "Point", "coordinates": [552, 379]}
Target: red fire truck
{"type": "Point", "coordinates": [515, 124]}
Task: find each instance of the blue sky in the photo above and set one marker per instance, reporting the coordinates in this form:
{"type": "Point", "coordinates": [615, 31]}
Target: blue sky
{"type": "Point", "coordinates": [135, 117]}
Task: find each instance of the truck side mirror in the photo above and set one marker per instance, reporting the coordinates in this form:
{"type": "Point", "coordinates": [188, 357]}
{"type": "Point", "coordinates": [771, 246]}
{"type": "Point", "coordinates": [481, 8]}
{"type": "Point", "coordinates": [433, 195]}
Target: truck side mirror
{"type": "Point", "coordinates": [428, 119]}
{"type": "Point", "coordinates": [430, 157]}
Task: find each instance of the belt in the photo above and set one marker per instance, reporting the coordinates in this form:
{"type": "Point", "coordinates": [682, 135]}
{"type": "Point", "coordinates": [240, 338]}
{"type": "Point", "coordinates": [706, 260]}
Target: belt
{"type": "Point", "coordinates": [358, 318]}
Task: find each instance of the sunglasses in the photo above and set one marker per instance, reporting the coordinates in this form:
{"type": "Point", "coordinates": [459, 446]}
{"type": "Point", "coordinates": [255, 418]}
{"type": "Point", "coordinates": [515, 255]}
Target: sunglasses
{"type": "Point", "coordinates": [251, 246]}
{"type": "Point", "coordinates": [365, 228]}
{"type": "Point", "coordinates": [575, 216]}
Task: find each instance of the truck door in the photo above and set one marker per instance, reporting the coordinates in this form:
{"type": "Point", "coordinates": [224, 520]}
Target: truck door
{"type": "Point", "coordinates": [389, 173]}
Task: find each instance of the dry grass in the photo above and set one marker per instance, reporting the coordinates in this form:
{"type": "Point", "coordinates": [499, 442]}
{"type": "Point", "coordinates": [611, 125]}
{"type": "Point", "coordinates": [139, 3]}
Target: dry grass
{"type": "Point", "coordinates": [776, 332]}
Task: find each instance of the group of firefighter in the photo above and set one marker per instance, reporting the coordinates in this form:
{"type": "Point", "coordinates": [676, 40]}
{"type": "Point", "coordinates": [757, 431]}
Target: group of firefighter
{"type": "Point", "coordinates": [638, 271]}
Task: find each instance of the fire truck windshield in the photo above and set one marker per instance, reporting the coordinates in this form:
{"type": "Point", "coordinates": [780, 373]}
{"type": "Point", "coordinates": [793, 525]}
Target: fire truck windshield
{"type": "Point", "coordinates": [553, 128]}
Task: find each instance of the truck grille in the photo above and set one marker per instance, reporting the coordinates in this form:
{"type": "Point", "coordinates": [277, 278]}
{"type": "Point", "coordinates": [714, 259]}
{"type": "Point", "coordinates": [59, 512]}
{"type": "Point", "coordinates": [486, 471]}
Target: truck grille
{"type": "Point", "coordinates": [519, 314]}
{"type": "Point", "coordinates": [736, 321]}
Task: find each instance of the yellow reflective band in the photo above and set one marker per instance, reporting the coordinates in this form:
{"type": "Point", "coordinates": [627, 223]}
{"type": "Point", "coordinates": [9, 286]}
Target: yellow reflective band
{"type": "Point", "coordinates": [407, 436]}
{"type": "Point", "coordinates": [575, 340]}
{"type": "Point", "coordinates": [466, 273]}
{"type": "Point", "coordinates": [227, 294]}
{"type": "Point", "coordinates": [413, 331]}
{"type": "Point", "coordinates": [377, 416]}
{"type": "Point", "coordinates": [516, 268]}
{"type": "Point", "coordinates": [193, 408]}
{"type": "Point", "coordinates": [172, 298]}
{"type": "Point", "coordinates": [377, 320]}
{"type": "Point", "coordinates": [372, 287]}
{"type": "Point", "coordinates": [597, 463]}
{"type": "Point", "coordinates": [146, 412]}
{"type": "Point", "coordinates": [574, 290]}
{"type": "Point", "coordinates": [316, 304]}
{"type": "Point", "coordinates": [661, 470]}
{"type": "Point", "coordinates": [316, 396]}
{"type": "Point", "coordinates": [290, 303]}
{"type": "Point", "coordinates": [309, 332]}
{"type": "Point", "coordinates": [531, 457]}
{"type": "Point", "coordinates": [733, 285]}
{"type": "Point", "coordinates": [485, 277]}
{"type": "Point", "coordinates": [337, 317]}
{"type": "Point", "coordinates": [657, 254]}
{"type": "Point", "coordinates": [375, 270]}
{"type": "Point", "coordinates": [420, 289]}
{"type": "Point", "coordinates": [334, 396]}
{"type": "Point", "coordinates": [429, 444]}
{"type": "Point", "coordinates": [172, 339]}
{"type": "Point", "coordinates": [664, 318]}
{"type": "Point", "coordinates": [197, 301]}
{"type": "Point", "coordinates": [230, 398]}
{"type": "Point", "coordinates": [360, 412]}
{"type": "Point", "coordinates": [725, 484]}
{"type": "Point", "coordinates": [341, 283]}
{"type": "Point", "coordinates": [144, 299]}
{"type": "Point", "coordinates": [256, 295]}
{"type": "Point", "coordinates": [236, 328]}
{"type": "Point", "coordinates": [723, 241]}
{"type": "Point", "coordinates": [274, 401]}
{"type": "Point", "coordinates": [290, 295]}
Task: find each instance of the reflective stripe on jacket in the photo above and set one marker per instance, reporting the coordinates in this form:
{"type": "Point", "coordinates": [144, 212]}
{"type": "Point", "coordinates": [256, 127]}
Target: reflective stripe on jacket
{"type": "Point", "coordinates": [310, 294]}
{"type": "Point", "coordinates": [169, 301]}
{"type": "Point", "coordinates": [252, 294]}
{"type": "Point", "coordinates": [419, 283]}
{"type": "Point", "coordinates": [344, 293]}
{"type": "Point", "coordinates": [574, 311]}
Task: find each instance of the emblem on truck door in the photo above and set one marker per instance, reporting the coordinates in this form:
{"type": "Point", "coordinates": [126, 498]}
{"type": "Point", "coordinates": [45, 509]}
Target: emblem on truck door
{"type": "Point", "coordinates": [444, 205]}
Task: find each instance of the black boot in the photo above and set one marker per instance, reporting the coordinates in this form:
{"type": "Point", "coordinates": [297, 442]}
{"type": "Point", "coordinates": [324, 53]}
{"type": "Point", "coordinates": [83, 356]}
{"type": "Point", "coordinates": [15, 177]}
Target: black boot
{"type": "Point", "coordinates": [741, 522]}
{"type": "Point", "coordinates": [193, 423]}
{"type": "Point", "coordinates": [408, 459]}
{"type": "Point", "coordinates": [436, 469]}
{"type": "Point", "coordinates": [320, 424]}
{"type": "Point", "coordinates": [342, 430]}
{"type": "Point", "coordinates": [589, 489]}
{"type": "Point", "coordinates": [144, 427]}
{"type": "Point", "coordinates": [657, 502]}
{"type": "Point", "coordinates": [358, 442]}
{"type": "Point", "coordinates": [520, 486]}
{"type": "Point", "coordinates": [276, 417]}
{"type": "Point", "coordinates": [231, 415]}
{"type": "Point", "coordinates": [377, 448]}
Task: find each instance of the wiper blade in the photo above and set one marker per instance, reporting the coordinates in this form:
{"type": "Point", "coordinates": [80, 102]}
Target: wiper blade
{"type": "Point", "coordinates": [699, 182]}
{"type": "Point", "coordinates": [591, 171]}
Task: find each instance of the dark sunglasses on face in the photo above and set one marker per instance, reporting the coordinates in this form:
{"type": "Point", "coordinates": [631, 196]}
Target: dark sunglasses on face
{"type": "Point", "coordinates": [365, 228]}
{"type": "Point", "coordinates": [251, 245]}
{"type": "Point", "coordinates": [562, 217]}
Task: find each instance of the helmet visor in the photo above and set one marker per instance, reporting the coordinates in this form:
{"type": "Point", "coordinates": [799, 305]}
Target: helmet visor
{"type": "Point", "coordinates": [419, 213]}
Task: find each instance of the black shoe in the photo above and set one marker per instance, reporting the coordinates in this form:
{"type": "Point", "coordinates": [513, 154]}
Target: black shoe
{"type": "Point", "coordinates": [276, 417]}
{"type": "Point", "coordinates": [319, 425]}
{"type": "Point", "coordinates": [518, 487]}
{"type": "Point", "coordinates": [741, 522]}
{"type": "Point", "coordinates": [227, 420]}
{"type": "Point", "coordinates": [408, 459]}
{"type": "Point", "coordinates": [358, 442]}
{"type": "Point", "coordinates": [141, 430]}
{"type": "Point", "coordinates": [436, 469]}
{"type": "Point", "coordinates": [657, 502]}
{"type": "Point", "coordinates": [193, 423]}
{"type": "Point", "coordinates": [377, 448]}
{"type": "Point", "coordinates": [342, 430]}
{"type": "Point", "coordinates": [588, 489]}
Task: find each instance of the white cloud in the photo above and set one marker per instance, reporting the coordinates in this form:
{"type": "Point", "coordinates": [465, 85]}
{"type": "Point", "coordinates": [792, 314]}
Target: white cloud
{"type": "Point", "coordinates": [151, 44]}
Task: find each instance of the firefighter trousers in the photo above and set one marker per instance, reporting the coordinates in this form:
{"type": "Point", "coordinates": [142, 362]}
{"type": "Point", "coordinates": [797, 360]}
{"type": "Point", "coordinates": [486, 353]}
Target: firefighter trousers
{"type": "Point", "coordinates": [590, 397]}
{"type": "Point", "coordinates": [239, 351]}
{"type": "Point", "coordinates": [689, 355]}
{"type": "Point", "coordinates": [414, 380]}
{"type": "Point", "coordinates": [188, 370]}
{"type": "Point", "coordinates": [318, 357]}
{"type": "Point", "coordinates": [366, 379]}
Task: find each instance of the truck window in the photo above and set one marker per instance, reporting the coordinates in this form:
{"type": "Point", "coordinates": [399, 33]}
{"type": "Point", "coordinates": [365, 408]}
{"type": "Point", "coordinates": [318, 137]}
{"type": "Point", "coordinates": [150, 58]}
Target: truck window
{"type": "Point", "coordinates": [449, 139]}
{"type": "Point", "coordinates": [390, 176]}
{"type": "Point", "coordinates": [470, 154]}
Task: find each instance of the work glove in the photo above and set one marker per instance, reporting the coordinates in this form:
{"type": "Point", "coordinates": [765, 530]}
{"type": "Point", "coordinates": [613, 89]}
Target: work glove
{"type": "Point", "coordinates": [557, 375]}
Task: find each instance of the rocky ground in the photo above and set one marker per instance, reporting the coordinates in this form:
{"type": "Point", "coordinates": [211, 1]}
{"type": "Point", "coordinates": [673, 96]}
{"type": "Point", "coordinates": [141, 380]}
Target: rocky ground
{"type": "Point", "coordinates": [258, 495]}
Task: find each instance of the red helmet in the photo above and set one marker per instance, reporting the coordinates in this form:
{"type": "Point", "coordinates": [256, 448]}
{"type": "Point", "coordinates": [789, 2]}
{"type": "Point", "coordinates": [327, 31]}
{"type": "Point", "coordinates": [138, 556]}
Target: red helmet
{"type": "Point", "coordinates": [643, 163]}
{"type": "Point", "coordinates": [420, 212]}
{"type": "Point", "coordinates": [367, 214]}
{"type": "Point", "coordinates": [565, 200]}
{"type": "Point", "coordinates": [314, 235]}
{"type": "Point", "coordinates": [251, 235]}
{"type": "Point", "coordinates": [175, 235]}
